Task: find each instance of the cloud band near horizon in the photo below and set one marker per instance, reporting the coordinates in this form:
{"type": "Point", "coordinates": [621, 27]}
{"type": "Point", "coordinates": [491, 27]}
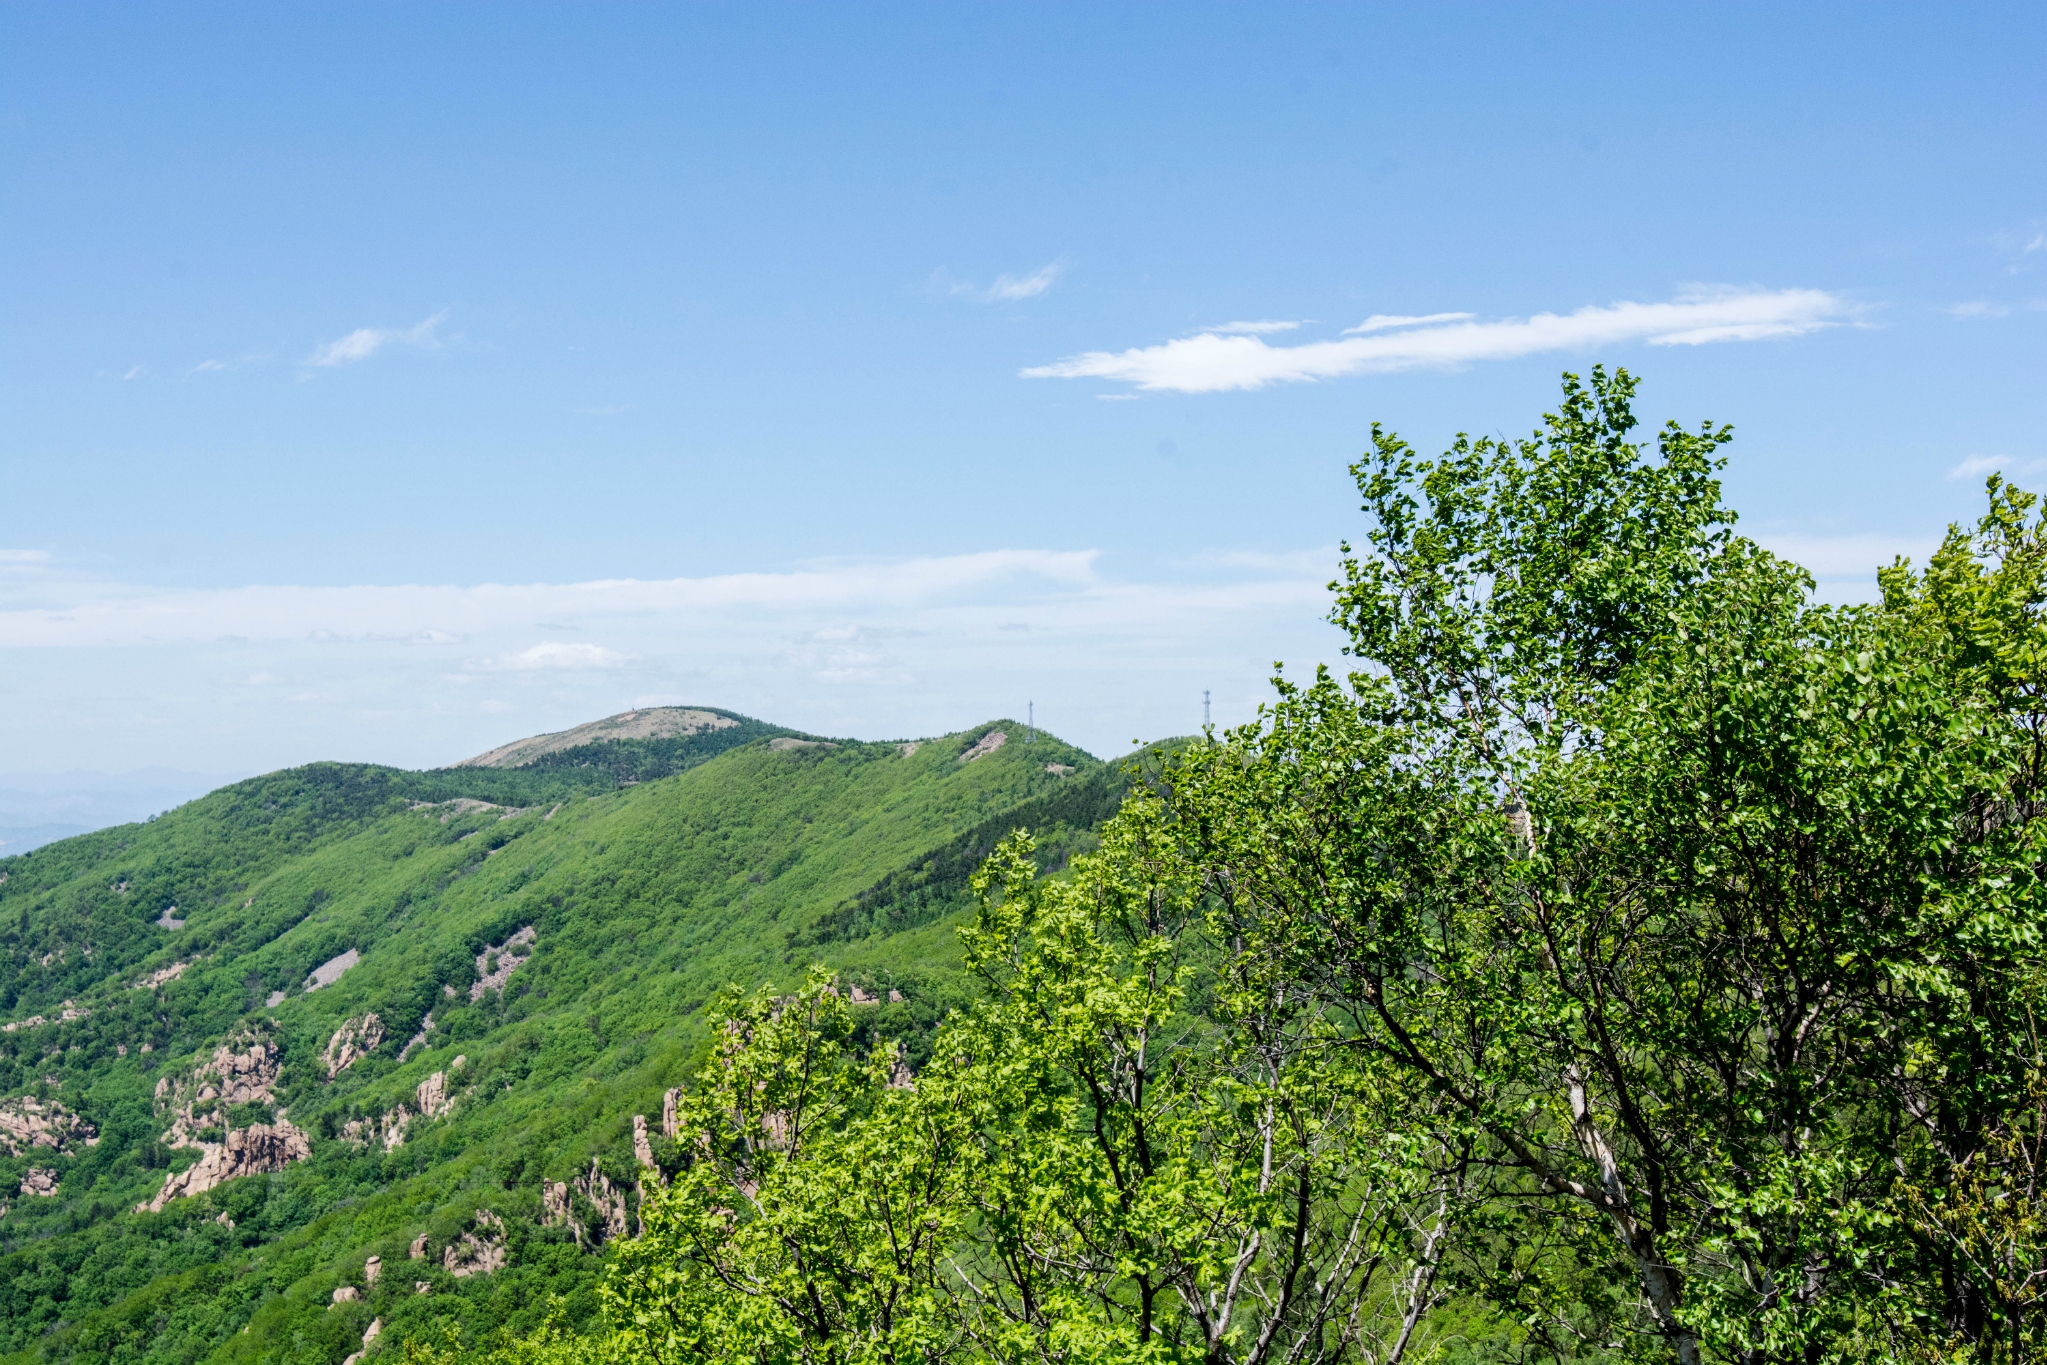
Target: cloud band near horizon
{"type": "Point", "coordinates": [1218, 360]}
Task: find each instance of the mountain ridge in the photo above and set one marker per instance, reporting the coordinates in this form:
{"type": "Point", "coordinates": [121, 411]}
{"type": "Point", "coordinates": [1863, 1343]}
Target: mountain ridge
{"type": "Point", "coordinates": [376, 915]}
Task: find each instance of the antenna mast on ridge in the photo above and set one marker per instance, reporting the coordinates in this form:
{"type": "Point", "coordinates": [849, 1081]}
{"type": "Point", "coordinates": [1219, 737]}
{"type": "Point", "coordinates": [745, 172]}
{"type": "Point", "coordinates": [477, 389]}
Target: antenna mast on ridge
{"type": "Point", "coordinates": [1204, 710]}
{"type": "Point", "coordinates": [1031, 722]}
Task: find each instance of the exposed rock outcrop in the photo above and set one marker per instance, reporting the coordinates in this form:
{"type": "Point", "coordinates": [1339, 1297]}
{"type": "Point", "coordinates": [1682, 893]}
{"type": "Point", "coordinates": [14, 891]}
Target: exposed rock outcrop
{"type": "Point", "coordinates": [329, 972]}
{"type": "Point", "coordinates": [494, 966]}
{"type": "Point", "coordinates": [354, 1040]}
{"type": "Point", "coordinates": [478, 1252]}
{"type": "Point", "coordinates": [28, 1122]}
{"type": "Point", "coordinates": [40, 1180]}
{"type": "Point", "coordinates": [163, 976]}
{"type": "Point", "coordinates": [990, 742]}
{"type": "Point", "coordinates": [241, 1071]}
{"type": "Point", "coordinates": [643, 1149]}
{"type": "Point", "coordinates": [434, 1100]}
{"type": "Point", "coordinates": [418, 1039]}
{"type": "Point", "coordinates": [369, 1335]}
{"type": "Point", "coordinates": [65, 1014]}
{"type": "Point", "coordinates": [594, 1210]}
{"type": "Point", "coordinates": [256, 1150]}
{"type": "Point", "coordinates": [656, 722]}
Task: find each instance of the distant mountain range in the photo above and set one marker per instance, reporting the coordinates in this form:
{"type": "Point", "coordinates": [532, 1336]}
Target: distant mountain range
{"type": "Point", "coordinates": [349, 1047]}
{"type": "Point", "coordinates": [39, 808]}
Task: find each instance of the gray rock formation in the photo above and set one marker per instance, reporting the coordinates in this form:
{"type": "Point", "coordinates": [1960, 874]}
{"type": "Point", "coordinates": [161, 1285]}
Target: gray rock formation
{"type": "Point", "coordinates": [478, 1252]}
{"type": "Point", "coordinates": [28, 1122]}
{"type": "Point", "coordinates": [256, 1150]}
{"type": "Point", "coordinates": [594, 1210]}
{"type": "Point", "coordinates": [241, 1071]}
{"type": "Point", "coordinates": [494, 966]}
{"type": "Point", "coordinates": [354, 1040]}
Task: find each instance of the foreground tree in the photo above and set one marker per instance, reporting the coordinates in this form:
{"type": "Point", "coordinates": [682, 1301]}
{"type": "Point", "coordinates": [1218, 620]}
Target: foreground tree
{"type": "Point", "coordinates": [1712, 913]}
{"type": "Point", "coordinates": [1122, 1153]}
{"type": "Point", "coordinates": [1632, 948]}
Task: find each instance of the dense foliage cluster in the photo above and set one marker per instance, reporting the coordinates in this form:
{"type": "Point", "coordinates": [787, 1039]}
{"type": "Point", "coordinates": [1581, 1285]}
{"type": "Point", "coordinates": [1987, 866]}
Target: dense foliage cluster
{"type": "Point", "coordinates": [135, 953]}
{"type": "Point", "coordinates": [1633, 958]}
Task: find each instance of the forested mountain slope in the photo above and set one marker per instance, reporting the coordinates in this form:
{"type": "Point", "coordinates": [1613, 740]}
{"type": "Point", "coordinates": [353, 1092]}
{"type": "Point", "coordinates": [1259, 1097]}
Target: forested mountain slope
{"type": "Point", "coordinates": [347, 1011]}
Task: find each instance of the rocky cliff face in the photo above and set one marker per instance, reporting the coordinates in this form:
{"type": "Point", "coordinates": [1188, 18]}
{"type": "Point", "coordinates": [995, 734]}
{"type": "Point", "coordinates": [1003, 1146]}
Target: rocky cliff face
{"type": "Point", "coordinates": [27, 1122]}
{"type": "Point", "coordinates": [354, 1040]}
{"type": "Point", "coordinates": [479, 1251]}
{"type": "Point", "coordinates": [242, 1071]}
{"type": "Point", "coordinates": [594, 1210]}
{"type": "Point", "coordinates": [255, 1150]}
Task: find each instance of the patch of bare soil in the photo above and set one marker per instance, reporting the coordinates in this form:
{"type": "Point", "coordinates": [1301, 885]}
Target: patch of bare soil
{"type": "Point", "coordinates": [990, 742]}
{"type": "Point", "coordinates": [658, 722]}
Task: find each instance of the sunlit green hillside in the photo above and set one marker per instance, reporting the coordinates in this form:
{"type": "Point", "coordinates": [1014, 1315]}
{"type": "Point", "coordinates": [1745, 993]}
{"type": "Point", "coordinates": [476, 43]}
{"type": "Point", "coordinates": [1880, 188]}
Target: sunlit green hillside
{"type": "Point", "coordinates": [420, 1004]}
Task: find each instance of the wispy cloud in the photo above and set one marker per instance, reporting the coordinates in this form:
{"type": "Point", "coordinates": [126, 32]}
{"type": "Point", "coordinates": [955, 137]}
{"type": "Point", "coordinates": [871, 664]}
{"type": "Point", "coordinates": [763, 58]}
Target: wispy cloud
{"type": "Point", "coordinates": [1262, 327]}
{"type": "Point", "coordinates": [365, 342]}
{"type": "Point", "coordinates": [1212, 362]}
{"type": "Point", "coordinates": [1977, 309]}
{"type": "Point", "coordinates": [1006, 288]}
{"type": "Point", "coordinates": [1976, 466]}
{"type": "Point", "coordinates": [1852, 558]}
{"type": "Point", "coordinates": [1024, 286]}
{"type": "Point", "coordinates": [206, 367]}
{"type": "Point", "coordinates": [138, 372]}
{"type": "Point", "coordinates": [555, 654]}
{"type": "Point", "coordinates": [902, 647]}
{"type": "Point", "coordinates": [1379, 322]}
{"type": "Point", "coordinates": [100, 614]}
{"type": "Point", "coordinates": [24, 556]}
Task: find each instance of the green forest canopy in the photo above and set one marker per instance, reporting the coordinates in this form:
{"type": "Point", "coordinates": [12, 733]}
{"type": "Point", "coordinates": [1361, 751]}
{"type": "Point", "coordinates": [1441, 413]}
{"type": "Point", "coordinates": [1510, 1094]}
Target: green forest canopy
{"type": "Point", "coordinates": [1633, 958]}
{"type": "Point", "coordinates": [1630, 958]}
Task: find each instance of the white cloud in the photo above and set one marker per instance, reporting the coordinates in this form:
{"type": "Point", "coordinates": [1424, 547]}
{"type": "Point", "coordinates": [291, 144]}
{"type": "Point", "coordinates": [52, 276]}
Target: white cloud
{"type": "Point", "coordinates": [1854, 557]}
{"type": "Point", "coordinates": [1211, 362]}
{"type": "Point", "coordinates": [1025, 286]}
{"type": "Point", "coordinates": [497, 708]}
{"type": "Point", "coordinates": [24, 556]}
{"type": "Point", "coordinates": [1379, 322]}
{"type": "Point", "coordinates": [884, 648]}
{"type": "Point", "coordinates": [555, 654]}
{"type": "Point", "coordinates": [1976, 309]}
{"type": "Point", "coordinates": [137, 372]}
{"type": "Point", "coordinates": [1006, 289]}
{"type": "Point", "coordinates": [1260, 328]}
{"type": "Point", "coordinates": [258, 680]}
{"type": "Point", "coordinates": [1976, 466]}
{"type": "Point", "coordinates": [206, 367]}
{"type": "Point", "coordinates": [101, 614]}
{"type": "Point", "coordinates": [365, 342]}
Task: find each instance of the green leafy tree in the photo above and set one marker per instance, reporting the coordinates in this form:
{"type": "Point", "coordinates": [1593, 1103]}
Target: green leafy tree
{"type": "Point", "coordinates": [814, 1209]}
{"type": "Point", "coordinates": [1688, 897]}
{"type": "Point", "coordinates": [1117, 1154]}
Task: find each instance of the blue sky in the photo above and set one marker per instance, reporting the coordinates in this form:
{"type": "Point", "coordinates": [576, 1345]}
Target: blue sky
{"type": "Point", "coordinates": [385, 382]}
